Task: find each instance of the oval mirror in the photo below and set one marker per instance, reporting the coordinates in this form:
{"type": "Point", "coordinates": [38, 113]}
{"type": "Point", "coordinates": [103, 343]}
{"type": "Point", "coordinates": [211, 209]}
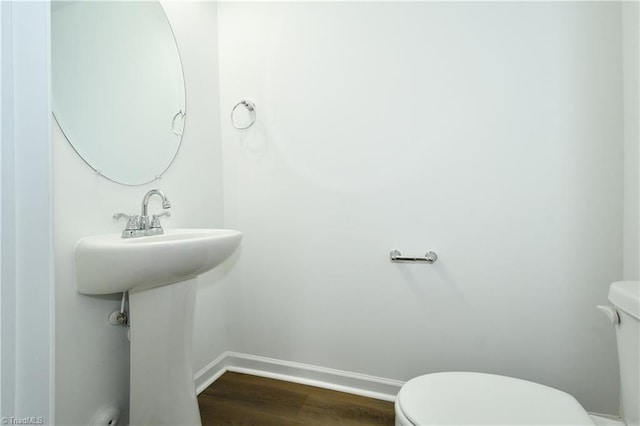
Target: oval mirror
{"type": "Point", "coordinates": [118, 87]}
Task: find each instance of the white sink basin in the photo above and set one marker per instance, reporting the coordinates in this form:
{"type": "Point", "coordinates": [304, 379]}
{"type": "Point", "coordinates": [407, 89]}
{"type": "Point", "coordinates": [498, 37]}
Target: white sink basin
{"type": "Point", "coordinates": [112, 264]}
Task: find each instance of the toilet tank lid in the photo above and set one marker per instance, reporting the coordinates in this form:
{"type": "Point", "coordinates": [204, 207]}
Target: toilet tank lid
{"type": "Point", "coordinates": [625, 295]}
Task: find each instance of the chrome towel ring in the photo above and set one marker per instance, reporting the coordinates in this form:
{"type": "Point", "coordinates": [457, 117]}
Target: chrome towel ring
{"type": "Point", "coordinates": [251, 108]}
{"type": "Point", "coordinates": [177, 132]}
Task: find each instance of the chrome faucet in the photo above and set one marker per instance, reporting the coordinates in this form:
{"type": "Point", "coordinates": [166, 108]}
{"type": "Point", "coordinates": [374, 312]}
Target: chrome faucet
{"type": "Point", "coordinates": [144, 218]}
{"type": "Point", "coordinates": [140, 227]}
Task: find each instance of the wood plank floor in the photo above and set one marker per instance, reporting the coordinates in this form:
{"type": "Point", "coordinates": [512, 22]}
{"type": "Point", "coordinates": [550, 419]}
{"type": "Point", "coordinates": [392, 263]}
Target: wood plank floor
{"type": "Point", "coordinates": [241, 399]}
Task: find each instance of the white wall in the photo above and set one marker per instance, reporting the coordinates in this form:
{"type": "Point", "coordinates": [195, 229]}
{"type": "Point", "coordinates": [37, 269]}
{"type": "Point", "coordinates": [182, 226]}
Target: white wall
{"type": "Point", "coordinates": [92, 356]}
{"type": "Point", "coordinates": [490, 133]}
{"type": "Point", "coordinates": [631, 72]}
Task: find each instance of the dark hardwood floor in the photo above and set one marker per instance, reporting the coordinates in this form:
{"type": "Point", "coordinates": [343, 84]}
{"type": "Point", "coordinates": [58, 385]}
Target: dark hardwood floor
{"type": "Point", "coordinates": [241, 399]}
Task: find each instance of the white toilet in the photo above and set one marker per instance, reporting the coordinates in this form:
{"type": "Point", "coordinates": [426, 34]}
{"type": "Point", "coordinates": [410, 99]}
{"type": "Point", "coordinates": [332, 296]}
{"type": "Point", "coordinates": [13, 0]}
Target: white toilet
{"type": "Point", "coordinates": [463, 398]}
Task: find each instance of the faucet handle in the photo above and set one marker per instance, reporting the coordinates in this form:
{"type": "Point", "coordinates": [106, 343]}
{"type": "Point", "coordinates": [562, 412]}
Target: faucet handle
{"type": "Point", "coordinates": [133, 225]}
{"type": "Point", "coordinates": [155, 220]}
{"type": "Point", "coordinates": [132, 220]}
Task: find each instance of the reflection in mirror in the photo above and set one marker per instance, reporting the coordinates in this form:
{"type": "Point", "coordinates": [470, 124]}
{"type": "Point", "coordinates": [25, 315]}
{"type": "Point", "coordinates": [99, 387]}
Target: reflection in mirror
{"type": "Point", "coordinates": [118, 87]}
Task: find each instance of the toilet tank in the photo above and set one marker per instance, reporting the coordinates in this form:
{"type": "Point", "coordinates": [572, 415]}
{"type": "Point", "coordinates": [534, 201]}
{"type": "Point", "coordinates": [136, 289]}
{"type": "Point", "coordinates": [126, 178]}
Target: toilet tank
{"type": "Point", "coordinates": [625, 296]}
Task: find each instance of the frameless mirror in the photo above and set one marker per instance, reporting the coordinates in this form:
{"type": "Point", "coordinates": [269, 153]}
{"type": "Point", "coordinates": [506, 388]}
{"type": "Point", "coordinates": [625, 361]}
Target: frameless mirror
{"type": "Point", "coordinates": [118, 87]}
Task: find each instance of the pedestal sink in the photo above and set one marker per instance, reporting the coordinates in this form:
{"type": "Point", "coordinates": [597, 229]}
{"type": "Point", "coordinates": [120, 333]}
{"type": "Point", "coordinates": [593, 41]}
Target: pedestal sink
{"type": "Point", "coordinates": [159, 272]}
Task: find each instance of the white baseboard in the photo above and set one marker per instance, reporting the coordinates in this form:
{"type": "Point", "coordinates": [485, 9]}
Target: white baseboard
{"type": "Point", "coordinates": [210, 373]}
{"type": "Point", "coordinates": [606, 420]}
{"type": "Point", "coordinates": [328, 378]}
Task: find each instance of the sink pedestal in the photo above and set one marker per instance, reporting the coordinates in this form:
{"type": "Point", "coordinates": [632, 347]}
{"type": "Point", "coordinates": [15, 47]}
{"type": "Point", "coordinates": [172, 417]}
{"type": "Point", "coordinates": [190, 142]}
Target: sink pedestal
{"type": "Point", "coordinates": [161, 326]}
{"type": "Point", "coordinates": [159, 272]}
